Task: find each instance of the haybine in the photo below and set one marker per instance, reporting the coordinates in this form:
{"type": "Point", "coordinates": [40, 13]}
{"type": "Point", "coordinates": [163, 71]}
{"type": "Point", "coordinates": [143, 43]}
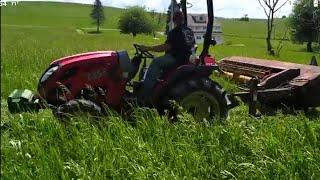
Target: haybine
{"type": "Point", "coordinates": [91, 81]}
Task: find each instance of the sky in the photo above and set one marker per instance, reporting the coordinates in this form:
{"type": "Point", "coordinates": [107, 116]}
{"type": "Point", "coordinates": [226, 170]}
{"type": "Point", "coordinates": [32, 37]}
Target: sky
{"type": "Point", "coordinates": [223, 8]}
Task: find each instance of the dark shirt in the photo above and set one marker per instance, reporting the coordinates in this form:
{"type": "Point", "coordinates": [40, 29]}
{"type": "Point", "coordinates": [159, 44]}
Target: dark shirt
{"type": "Point", "coordinates": [181, 40]}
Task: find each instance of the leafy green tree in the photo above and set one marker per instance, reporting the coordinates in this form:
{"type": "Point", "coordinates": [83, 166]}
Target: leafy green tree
{"type": "Point", "coordinates": [136, 20]}
{"type": "Point", "coordinates": [97, 14]}
{"type": "Point", "coordinates": [305, 23]}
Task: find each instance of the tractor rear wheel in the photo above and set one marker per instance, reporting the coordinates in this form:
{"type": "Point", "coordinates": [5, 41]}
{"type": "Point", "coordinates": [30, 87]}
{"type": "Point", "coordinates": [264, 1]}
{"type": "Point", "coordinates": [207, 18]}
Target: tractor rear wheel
{"type": "Point", "coordinates": [76, 107]}
{"type": "Point", "coordinates": [204, 99]}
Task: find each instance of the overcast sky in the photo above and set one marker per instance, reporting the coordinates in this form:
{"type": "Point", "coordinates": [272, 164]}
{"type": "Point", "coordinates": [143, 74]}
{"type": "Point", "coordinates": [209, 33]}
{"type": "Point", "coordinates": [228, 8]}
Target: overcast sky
{"type": "Point", "coordinates": [223, 8]}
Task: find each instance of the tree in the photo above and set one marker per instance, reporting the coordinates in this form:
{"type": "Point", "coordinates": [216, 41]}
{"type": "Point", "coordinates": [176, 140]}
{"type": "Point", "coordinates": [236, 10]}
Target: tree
{"type": "Point", "coordinates": [160, 20]}
{"type": "Point", "coordinates": [136, 20]}
{"type": "Point", "coordinates": [97, 14]}
{"type": "Point", "coordinates": [175, 8]}
{"type": "Point", "coordinates": [244, 18]}
{"type": "Point", "coordinates": [270, 7]}
{"type": "Point", "coordinates": [305, 22]}
{"type": "Point", "coordinates": [153, 16]}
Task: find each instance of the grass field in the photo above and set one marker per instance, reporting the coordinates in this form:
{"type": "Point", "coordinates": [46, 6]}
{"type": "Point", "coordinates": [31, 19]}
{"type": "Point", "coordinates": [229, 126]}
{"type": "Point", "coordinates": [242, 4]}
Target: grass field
{"type": "Point", "coordinates": [283, 146]}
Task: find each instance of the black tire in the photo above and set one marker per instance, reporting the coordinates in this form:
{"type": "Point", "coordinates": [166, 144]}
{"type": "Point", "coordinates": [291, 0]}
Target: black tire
{"type": "Point", "coordinates": [215, 98]}
{"type": "Point", "coordinates": [76, 107]}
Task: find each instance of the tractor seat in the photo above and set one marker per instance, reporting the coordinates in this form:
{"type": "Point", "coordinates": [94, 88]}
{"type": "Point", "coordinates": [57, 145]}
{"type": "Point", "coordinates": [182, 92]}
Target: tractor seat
{"type": "Point", "coordinates": [127, 67]}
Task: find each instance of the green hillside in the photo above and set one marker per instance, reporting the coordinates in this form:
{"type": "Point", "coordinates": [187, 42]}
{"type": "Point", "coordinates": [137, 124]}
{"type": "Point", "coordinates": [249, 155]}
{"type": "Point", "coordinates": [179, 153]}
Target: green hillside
{"type": "Point", "coordinates": [281, 145]}
{"type": "Point", "coordinates": [52, 14]}
{"type": "Point", "coordinates": [41, 15]}
{"type": "Point", "coordinates": [255, 28]}
{"type": "Point", "coordinates": [69, 15]}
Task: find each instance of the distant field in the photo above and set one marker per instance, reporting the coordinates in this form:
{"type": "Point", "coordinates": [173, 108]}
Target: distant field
{"type": "Point", "coordinates": [72, 16]}
{"type": "Point", "coordinates": [282, 146]}
{"type": "Point", "coordinates": [52, 14]}
{"type": "Point", "coordinates": [255, 28]}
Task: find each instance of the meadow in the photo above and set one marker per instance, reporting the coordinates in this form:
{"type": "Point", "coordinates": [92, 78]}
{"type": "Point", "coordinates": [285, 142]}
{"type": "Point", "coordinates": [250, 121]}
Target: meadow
{"type": "Point", "coordinates": [281, 146]}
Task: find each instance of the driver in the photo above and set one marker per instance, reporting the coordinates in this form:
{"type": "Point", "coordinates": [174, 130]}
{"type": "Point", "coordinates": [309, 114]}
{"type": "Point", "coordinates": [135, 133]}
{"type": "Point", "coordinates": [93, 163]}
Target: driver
{"type": "Point", "coordinates": [177, 48]}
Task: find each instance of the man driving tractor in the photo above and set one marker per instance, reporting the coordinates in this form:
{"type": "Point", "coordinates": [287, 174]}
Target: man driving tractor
{"type": "Point", "coordinates": [177, 48]}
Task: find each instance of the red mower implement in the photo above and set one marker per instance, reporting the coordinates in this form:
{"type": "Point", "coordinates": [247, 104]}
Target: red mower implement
{"type": "Point", "coordinates": [274, 83]}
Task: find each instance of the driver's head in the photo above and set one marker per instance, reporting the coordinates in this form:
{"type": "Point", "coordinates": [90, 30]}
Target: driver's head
{"type": "Point", "coordinates": [177, 18]}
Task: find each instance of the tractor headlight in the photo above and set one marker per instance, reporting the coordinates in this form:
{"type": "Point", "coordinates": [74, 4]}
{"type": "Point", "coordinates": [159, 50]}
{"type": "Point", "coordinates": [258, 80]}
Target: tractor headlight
{"type": "Point", "coordinates": [48, 73]}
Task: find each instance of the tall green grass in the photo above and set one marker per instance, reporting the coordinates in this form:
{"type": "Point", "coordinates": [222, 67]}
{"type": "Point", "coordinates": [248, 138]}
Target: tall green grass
{"type": "Point", "coordinates": [282, 146]}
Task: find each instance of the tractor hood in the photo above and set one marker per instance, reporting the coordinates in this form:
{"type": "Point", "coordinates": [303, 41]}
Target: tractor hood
{"type": "Point", "coordinates": [84, 57]}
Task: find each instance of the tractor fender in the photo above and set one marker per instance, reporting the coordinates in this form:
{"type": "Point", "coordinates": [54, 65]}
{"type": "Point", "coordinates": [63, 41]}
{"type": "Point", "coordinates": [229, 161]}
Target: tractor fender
{"type": "Point", "coordinates": [183, 73]}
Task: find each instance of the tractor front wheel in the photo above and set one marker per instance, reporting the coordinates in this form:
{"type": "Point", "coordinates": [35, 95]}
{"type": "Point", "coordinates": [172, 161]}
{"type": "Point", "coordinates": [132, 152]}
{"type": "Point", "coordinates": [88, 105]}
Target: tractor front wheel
{"type": "Point", "coordinates": [77, 107]}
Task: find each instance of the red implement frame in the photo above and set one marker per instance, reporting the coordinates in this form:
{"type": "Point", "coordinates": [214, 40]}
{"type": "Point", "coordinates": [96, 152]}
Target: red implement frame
{"type": "Point", "coordinates": [276, 81]}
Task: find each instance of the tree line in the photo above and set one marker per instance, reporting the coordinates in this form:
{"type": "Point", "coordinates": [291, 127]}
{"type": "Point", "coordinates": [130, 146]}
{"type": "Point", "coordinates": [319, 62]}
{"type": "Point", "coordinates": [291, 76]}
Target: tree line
{"type": "Point", "coordinates": [305, 23]}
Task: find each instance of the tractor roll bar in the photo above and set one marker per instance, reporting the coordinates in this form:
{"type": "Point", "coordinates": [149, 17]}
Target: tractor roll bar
{"type": "Point", "coordinates": [208, 36]}
{"type": "Point", "coordinates": [183, 4]}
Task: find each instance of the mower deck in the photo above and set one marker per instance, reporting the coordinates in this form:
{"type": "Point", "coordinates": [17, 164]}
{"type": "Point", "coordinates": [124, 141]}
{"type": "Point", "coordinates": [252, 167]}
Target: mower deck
{"type": "Point", "coordinates": [300, 82]}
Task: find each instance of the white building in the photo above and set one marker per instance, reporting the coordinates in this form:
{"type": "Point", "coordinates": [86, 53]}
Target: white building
{"type": "Point", "coordinates": [198, 23]}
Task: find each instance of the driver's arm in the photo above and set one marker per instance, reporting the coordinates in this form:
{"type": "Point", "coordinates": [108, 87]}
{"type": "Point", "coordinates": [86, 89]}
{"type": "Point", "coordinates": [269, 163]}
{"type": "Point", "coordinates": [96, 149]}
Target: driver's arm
{"type": "Point", "coordinates": [158, 48]}
{"type": "Point", "coordinates": [161, 48]}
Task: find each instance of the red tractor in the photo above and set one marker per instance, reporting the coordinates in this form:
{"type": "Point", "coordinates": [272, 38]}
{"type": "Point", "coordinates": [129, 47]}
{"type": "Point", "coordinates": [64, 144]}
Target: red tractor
{"type": "Point", "coordinates": [88, 82]}
{"type": "Point", "coordinates": [94, 79]}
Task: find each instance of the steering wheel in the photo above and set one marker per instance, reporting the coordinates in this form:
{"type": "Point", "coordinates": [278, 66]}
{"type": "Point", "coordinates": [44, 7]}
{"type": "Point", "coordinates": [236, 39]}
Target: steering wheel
{"type": "Point", "coordinates": [139, 51]}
